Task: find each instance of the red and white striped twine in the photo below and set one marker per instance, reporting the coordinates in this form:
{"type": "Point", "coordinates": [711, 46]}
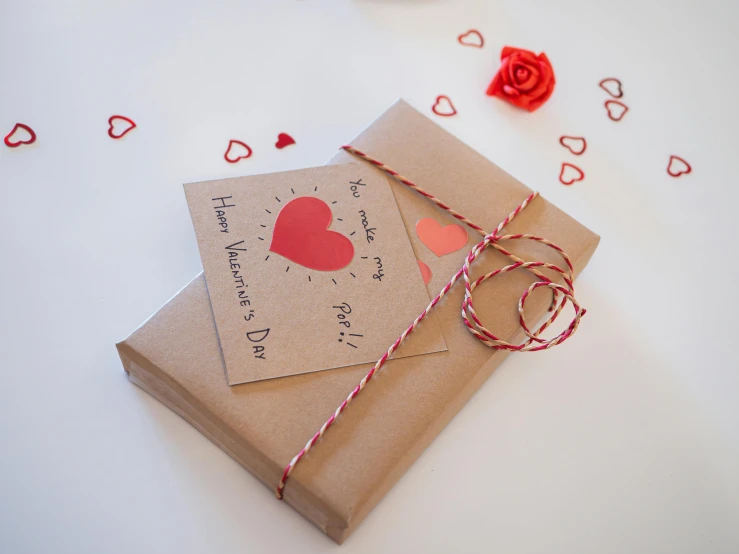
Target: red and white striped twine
{"type": "Point", "coordinates": [473, 323]}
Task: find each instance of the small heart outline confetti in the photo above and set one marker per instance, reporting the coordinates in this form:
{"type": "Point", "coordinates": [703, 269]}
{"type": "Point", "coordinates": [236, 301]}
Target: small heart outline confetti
{"type": "Point", "coordinates": [443, 101]}
{"type": "Point", "coordinates": [472, 38]}
{"type": "Point", "coordinates": [612, 86]}
{"type": "Point", "coordinates": [573, 174]}
{"type": "Point", "coordinates": [682, 166]}
{"type": "Point", "coordinates": [571, 144]}
{"type": "Point", "coordinates": [283, 140]}
{"type": "Point", "coordinates": [113, 120]}
{"type": "Point", "coordinates": [616, 110]}
{"type": "Point", "coordinates": [235, 144]}
{"type": "Point", "coordinates": [10, 143]}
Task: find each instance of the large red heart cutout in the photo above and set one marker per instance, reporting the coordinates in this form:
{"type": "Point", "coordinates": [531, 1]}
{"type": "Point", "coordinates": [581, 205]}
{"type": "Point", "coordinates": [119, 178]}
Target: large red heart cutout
{"type": "Point", "coordinates": [441, 240]}
{"type": "Point", "coordinates": [301, 235]}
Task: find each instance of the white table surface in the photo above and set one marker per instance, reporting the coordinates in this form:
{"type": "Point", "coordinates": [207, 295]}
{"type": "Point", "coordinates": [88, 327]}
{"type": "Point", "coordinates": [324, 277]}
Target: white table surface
{"type": "Point", "coordinates": [623, 440]}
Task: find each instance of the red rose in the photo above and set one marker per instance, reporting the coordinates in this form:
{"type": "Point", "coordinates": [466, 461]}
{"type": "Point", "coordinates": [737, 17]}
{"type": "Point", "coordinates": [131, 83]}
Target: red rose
{"type": "Point", "coordinates": [523, 79]}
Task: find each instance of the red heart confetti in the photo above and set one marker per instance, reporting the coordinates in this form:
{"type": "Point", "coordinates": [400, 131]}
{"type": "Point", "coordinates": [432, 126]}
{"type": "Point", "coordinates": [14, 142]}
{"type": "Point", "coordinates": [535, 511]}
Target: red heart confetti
{"type": "Point", "coordinates": [283, 139]}
{"type": "Point", "coordinates": [678, 166]}
{"type": "Point", "coordinates": [13, 141]}
{"type": "Point", "coordinates": [612, 86]}
{"type": "Point", "coordinates": [236, 151]}
{"type": "Point", "coordinates": [425, 272]}
{"type": "Point", "coordinates": [616, 110]}
{"type": "Point", "coordinates": [570, 174]}
{"type": "Point", "coordinates": [576, 145]}
{"type": "Point", "coordinates": [443, 106]}
{"type": "Point", "coordinates": [472, 37]}
{"type": "Point", "coordinates": [301, 235]}
{"type": "Point", "coordinates": [119, 126]}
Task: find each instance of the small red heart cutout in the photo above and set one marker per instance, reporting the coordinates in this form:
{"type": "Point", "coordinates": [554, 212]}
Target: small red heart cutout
{"type": "Point", "coordinates": [612, 86]}
{"type": "Point", "coordinates": [443, 106]}
{"type": "Point", "coordinates": [472, 37]}
{"type": "Point", "coordinates": [677, 166]}
{"type": "Point", "coordinates": [570, 174]}
{"type": "Point", "coordinates": [616, 110]}
{"type": "Point", "coordinates": [16, 137]}
{"type": "Point", "coordinates": [283, 139]}
{"type": "Point", "coordinates": [119, 126]}
{"type": "Point", "coordinates": [576, 145]}
{"type": "Point", "coordinates": [425, 272]}
{"type": "Point", "coordinates": [236, 151]}
{"type": "Point", "coordinates": [301, 235]}
{"type": "Point", "coordinates": [441, 240]}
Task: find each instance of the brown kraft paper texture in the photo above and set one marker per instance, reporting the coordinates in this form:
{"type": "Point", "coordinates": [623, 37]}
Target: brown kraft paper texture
{"type": "Point", "coordinates": [176, 356]}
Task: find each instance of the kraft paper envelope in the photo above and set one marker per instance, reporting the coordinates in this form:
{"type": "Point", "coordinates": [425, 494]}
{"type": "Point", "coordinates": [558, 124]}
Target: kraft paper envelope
{"type": "Point", "coordinates": [307, 270]}
{"type": "Point", "coordinates": [175, 355]}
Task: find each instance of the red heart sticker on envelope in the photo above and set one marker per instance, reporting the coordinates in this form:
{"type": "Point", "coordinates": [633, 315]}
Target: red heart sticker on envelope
{"type": "Point", "coordinates": [302, 236]}
{"type": "Point", "coordinates": [425, 272]}
{"type": "Point", "coordinates": [441, 240]}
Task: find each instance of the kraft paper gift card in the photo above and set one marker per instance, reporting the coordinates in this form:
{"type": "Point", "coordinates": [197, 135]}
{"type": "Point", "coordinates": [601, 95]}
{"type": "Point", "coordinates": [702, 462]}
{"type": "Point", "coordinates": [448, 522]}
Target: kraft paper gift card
{"type": "Point", "coordinates": [308, 270]}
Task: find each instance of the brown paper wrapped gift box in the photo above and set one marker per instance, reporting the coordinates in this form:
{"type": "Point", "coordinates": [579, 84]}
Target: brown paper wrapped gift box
{"type": "Point", "coordinates": [176, 357]}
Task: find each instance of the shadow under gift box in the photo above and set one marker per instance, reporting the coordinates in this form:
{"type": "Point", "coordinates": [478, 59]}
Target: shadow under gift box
{"type": "Point", "coordinates": [176, 356]}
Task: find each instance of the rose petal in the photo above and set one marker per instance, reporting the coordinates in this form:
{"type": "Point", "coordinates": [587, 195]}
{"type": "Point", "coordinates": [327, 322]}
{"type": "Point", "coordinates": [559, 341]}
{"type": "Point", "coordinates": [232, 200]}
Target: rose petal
{"type": "Point", "coordinates": [541, 93]}
{"type": "Point", "coordinates": [546, 67]}
{"type": "Point", "coordinates": [543, 84]}
{"type": "Point", "coordinates": [507, 51]}
{"type": "Point", "coordinates": [524, 56]}
{"type": "Point", "coordinates": [535, 103]}
{"type": "Point", "coordinates": [504, 72]}
{"type": "Point", "coordinates": [495, 86]}
{"type": "Point", "coordinates": [514, 100]}
{"type": "Point", "coordinates": [513, 51]}
{"type": "Point", "coordinates": [521, 75]}
{"type": "Point", "coordinates": [518, 101]}
{"type": "Point", "coordinates": [516, 66]}
{"type": "Point", "coordinates": [510, 69]}
{"type": "Point", "coordinates": [510, 91]}
{"type": "Point", "coordinates": [532, 81]}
